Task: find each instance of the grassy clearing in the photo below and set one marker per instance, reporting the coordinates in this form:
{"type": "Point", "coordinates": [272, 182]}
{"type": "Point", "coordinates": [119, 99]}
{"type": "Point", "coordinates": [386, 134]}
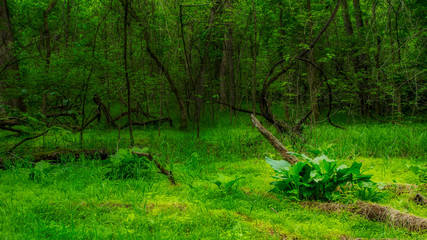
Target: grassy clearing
{"type": "Point", "coordinates": [75, 200]}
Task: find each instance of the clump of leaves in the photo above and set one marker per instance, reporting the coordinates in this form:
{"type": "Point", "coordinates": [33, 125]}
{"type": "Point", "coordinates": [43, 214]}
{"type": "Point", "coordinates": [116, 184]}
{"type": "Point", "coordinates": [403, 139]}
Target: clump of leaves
{"type": "Point", "coordinates": [40, 172]}
{"type": "Point", "coordinates": [227, 186]}
{"type": "Point", "coordinates": [125, 165]}
{"type": "Point", "coordinates": [44, 172]}
{"type": "Point", "coordinates": [420, 171]}
{"type": "Point", "coordinates": [322, 179]}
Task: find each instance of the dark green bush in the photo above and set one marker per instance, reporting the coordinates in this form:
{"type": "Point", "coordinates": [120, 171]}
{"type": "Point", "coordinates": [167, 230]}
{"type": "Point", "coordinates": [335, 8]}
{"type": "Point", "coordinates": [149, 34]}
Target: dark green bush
{"type": "Point", "coordinates": [125, 165]}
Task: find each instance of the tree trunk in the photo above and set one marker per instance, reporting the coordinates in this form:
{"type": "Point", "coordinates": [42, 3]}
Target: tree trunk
{"type": "Point", "coordinates": [203, 65]}
{"type": "Point", "coordinates": [254, 53]}
{"type": "Point", "coordinates": [312, 82]}
{"type": "Point", "coordinates": [182, 111]}
{"type": "Point", "coordinates": [45, 40]}
{"type": "Point", "coordinates": [8, 62]}
{"type": "Point", "coordinates": [125, 58]}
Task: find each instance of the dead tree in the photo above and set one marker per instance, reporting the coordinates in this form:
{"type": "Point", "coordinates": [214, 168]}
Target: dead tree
{"type": "Point", "coordinates": [274, 141]}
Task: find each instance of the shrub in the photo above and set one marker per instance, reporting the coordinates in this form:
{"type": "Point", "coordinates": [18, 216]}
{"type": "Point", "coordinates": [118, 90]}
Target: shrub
{"type": "Point", "coordinates": [125, 165]}
{"type": "Point", "coordinates": [322, 179]}
{"type": "Point", "coordinates": [420, 171]}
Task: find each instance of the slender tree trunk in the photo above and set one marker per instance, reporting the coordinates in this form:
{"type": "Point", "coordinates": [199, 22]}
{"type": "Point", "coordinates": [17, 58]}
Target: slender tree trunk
{"type": "Point", "coordinates": [46, 39]}
{"type": "Point", "coordinates": [376, 72]}
{"type": "Point", "coordinates": [67, 23]}
{"type": "Point", "coordinates": [223, 76]}
{"type": "Point", "coordinates": [361, 62]}
{"type": "Point", "coordinates": [203, 65]}
{"type": "Point", "coordinates": [125, 58]}
{"type": "Point", "coordinates": [346, 17]}
{"type": "Point", "coordinates": [312, 82]}
{"type": "Point", "coordinates": [254, 54]}
{"type": "Point", "coordinates": [183, 113]}
{"type": "Point", "coordinates": [8, 62]}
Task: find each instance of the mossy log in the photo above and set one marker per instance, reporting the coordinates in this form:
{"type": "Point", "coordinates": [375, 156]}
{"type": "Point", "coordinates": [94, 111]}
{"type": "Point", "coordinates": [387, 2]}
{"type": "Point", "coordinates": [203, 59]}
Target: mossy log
{"type": "Point", "coordinates": [375, 212]}
{"type": "Point", "coordinates": [55, 156]}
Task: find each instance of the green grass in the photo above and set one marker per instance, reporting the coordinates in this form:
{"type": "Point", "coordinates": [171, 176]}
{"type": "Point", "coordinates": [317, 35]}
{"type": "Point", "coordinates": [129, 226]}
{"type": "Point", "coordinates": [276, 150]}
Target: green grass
{"type": "Point", "coordinates": [74, 200]}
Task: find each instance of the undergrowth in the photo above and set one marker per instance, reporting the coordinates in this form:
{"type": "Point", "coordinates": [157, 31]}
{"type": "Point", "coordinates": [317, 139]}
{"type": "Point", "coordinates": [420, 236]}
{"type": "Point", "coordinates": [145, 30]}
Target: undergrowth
{"type": "Point", "coordinates": [223, 189]}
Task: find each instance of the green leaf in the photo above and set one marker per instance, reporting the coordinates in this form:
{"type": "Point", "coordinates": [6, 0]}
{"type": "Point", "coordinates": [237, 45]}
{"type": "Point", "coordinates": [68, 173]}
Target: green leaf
{"type": "Point", "coordinates": [278, 166]}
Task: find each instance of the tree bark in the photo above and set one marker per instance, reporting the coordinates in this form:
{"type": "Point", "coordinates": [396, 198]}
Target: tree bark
{"type": "Point", "coordinates": [125, 58]}
{"type": "Point", "coordinates": [45, 40]}
{"type": "Point", "coordinates": [312, 81]}
{"type": "Point", "coordinates": [203, 65]}
{"type": "Point", "coordinates": [283, 151]}
{"type": "Point", "coordinates": [255, 53]}
{"type": "Point", "coordinates": [8, 60]}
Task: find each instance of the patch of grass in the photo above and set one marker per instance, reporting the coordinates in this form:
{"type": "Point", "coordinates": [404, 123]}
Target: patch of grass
{"type": "Point", "coordinates": [74, 200]}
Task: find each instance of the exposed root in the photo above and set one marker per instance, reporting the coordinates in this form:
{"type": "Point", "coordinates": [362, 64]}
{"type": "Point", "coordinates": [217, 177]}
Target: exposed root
{"type": "Point", "coordinates": [375, 212]}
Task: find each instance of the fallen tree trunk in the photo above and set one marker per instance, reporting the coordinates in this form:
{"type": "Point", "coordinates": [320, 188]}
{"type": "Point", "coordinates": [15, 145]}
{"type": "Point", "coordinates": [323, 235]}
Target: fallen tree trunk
{"type": "Point", "coordinates": [55, 156]}
{"type": "Point", "coordinates": [11, 121]}
{"type": "Point", "coordinates": [163, 170]}
{"type": "Point", "coordinates": [274, 141]}
{"type": "Point", "coordinates": [375, 212]}
{"type": "Point", "coordinates": [12, 129]}
{"type": "Point", "coordinates": [151, 122]}
{"type": "Point", "coordinates": [8, 123]}
{"type": "Point", "coordinates": [239, 109]}
{"type": "Point", "coordinates": [133, 110]}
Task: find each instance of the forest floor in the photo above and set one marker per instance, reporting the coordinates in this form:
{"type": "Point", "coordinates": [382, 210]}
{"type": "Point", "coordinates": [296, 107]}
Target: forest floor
{"type": "Point", "coordinates": [75, 199]}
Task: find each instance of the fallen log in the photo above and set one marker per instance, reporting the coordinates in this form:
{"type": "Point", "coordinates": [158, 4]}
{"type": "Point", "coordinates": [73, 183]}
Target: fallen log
{"type": "Point", "coordinates": [151, 122]}
{"type": "Point", "coordinates": [19, 131]}
{"type": "Point", "coordinates": [8, 123]}
{"type": "Point", "coordinates": [55, 156]}
{"type": "Point", "coordinates": [163, 170]}
{"type": "Point", "coordinates": [11, 121]}
{"type": "Point", "coordinates": [274, 141]}
{"type": "Point", "coordinates": [374, 212]}
{"type": "Point", "coordinates": [238, 109]}
{"type": "Point", "coordinates": [133, 110]}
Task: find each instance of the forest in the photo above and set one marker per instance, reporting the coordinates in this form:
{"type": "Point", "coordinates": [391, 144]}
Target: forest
{"type": "Point", "coordinates": [213, 119]}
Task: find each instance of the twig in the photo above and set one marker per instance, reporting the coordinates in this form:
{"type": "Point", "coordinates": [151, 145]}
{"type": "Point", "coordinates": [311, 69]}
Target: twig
{"type": "Point", "coordinates": [27, 139]}
{"type": "Point", "coordinates": [159, 166]}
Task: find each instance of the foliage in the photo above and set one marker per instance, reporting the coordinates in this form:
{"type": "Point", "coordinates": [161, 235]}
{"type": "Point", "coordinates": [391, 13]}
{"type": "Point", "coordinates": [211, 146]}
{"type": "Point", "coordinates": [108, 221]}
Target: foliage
{"type": "Point", "coordinates": [43, 172]}
{"type": "Point", "coordinates": [420, 170]}
{"type": "Point", "coordinates": [75, 200]}
{"type": "Point", "coordinates": [125, 165]}
{"type": "Point", "coordinates": [227, 187]}
{"type": "Point", "coordinates": [321, 179]}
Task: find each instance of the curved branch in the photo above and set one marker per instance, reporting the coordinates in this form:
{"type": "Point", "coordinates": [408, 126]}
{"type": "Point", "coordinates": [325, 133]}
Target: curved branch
{"type": "Point", "coordinates": [265, 108]}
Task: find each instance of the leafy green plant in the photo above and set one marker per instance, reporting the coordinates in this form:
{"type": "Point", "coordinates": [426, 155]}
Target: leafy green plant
{"type": "Point", "coordinates": [125, 165]}
{"type": "Point", "coordinates": [227, 187]}
{"type": "Point", "coordinates": [40, 172]}
{"type": "Point", "coordinates": [44, 172]}
{"type": "Point", "coordinates": [320, 179]}
{"type": "Point", "coordinates": [420, 171]}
